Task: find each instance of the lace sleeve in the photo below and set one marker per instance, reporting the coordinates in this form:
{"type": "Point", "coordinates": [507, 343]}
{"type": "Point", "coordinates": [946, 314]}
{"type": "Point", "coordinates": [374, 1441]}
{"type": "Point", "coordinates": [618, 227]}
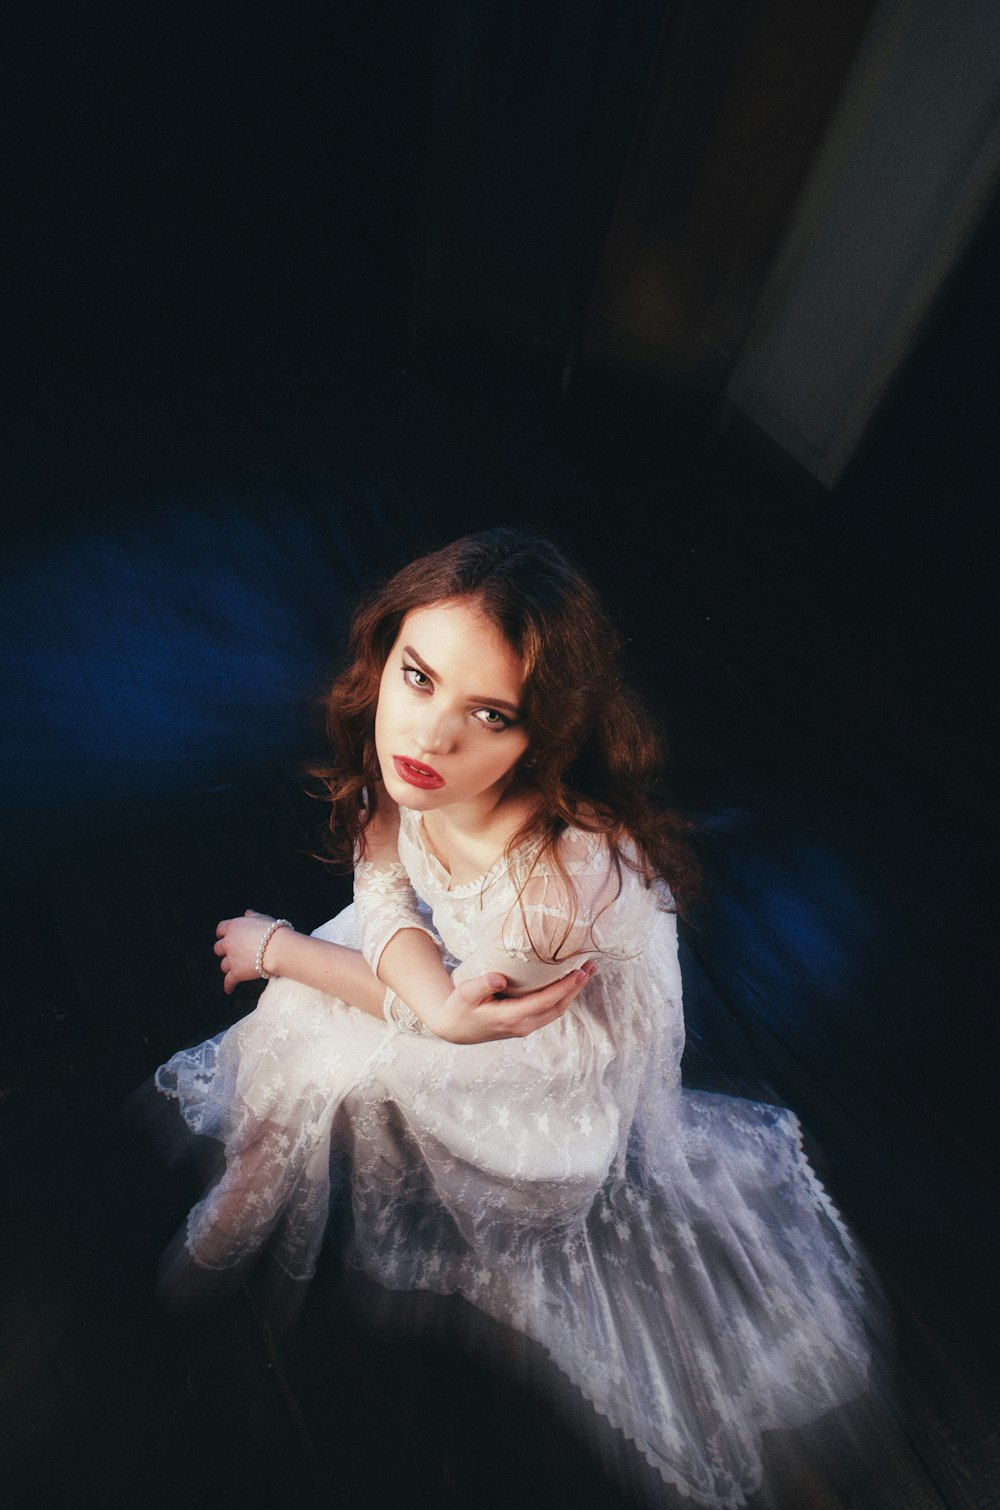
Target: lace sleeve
{"type": "Point", "coordinates": [385, 903]}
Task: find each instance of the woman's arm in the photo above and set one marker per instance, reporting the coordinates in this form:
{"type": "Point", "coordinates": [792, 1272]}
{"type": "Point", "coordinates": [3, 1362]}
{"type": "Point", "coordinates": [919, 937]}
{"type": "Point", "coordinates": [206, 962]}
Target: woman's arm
{"type": "Point", "coordinates": [399, 952]}
{"type": "Point", "coordinates": [403, 954]}
{"type": "Point", "coordinates": [476, 1011]}
{"type": "Point", "coordinates": [469, 1013]}
{"type": "Point", "coordinates": [332, 968]}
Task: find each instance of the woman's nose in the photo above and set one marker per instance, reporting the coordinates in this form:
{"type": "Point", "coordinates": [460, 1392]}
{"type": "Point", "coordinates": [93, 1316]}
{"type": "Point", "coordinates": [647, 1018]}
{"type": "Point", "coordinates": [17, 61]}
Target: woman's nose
{"type": "Point", "coordinates": [436, 733]}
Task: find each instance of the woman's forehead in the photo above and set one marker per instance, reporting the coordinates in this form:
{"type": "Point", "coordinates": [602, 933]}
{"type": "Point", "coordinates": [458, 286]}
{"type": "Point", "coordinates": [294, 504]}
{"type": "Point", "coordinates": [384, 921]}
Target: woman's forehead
{"type": "Point", "coordinates": [463, 636]}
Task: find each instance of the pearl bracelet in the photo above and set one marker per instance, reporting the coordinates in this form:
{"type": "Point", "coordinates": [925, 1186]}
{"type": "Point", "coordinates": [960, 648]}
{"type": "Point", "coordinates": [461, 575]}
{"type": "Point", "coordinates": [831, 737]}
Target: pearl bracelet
{"type": "Point", "coordinates": [271, 929]}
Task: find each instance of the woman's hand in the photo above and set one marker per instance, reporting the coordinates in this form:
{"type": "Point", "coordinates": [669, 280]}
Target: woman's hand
{"type": "Point", "coordinates": [475, 1012]}
{"type": "Point", "coordinates": [238, 939]}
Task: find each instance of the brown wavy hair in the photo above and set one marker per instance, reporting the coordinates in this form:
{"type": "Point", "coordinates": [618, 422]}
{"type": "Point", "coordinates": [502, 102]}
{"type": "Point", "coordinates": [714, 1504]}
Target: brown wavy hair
{"type": "Point", "coordinates": [594, 758]}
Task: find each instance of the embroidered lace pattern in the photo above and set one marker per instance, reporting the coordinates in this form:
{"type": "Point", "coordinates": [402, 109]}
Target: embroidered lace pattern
{"type": "Point", "coordinates": [672, 1250]}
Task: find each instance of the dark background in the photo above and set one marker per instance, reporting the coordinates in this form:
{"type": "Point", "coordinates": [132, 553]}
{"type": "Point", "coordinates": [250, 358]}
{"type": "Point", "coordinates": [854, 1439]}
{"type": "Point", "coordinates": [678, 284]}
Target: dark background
{"type": "Point", "coordinates": [359, 242]}
{"type": "Point", "coordinates": [296, 292]}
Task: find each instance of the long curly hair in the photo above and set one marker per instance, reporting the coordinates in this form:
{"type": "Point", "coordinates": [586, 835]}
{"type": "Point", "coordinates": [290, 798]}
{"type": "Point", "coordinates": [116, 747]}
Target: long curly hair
{"type": "Point", "coordinates": [594, 759]}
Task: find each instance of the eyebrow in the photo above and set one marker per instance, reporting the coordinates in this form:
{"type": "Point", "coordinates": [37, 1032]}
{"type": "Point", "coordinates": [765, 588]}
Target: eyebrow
{"type": "Point", "coordinates": [486, 702]}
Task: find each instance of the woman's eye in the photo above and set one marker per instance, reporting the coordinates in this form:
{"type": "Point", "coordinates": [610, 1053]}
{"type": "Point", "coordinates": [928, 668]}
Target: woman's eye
{"type": "Point", "coordinates": [415, 677]}
{"type": "Point", "coordinates": [491, 719]}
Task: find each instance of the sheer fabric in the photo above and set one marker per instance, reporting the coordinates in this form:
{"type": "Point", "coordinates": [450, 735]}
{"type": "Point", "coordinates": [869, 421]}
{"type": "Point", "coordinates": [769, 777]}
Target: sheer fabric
{"type": "Point", "coordinates": [672, 1250]}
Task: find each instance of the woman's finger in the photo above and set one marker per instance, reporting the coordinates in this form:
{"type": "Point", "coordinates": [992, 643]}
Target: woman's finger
{"type": "Point", "coordinates": [528, 1025]}
{"type": "Point", "coordinates": [481, 990]}
{"type": "Point", "coordinates": [549, 1004]}
{"type": "Point", "coordinates": [563, 989]}
{"type": "Point", "coordinates": [520, 1024]}
{"type": "Point", "coordinates": [576, 986]}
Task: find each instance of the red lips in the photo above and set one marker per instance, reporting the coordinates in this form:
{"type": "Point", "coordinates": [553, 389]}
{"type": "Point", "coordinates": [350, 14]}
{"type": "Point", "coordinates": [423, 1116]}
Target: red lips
{"type": "Point", "coordinates": [415, 773]}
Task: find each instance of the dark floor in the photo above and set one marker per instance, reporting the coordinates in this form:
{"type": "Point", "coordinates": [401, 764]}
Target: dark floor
{"type": "Point", "coordinates": [816, 660]}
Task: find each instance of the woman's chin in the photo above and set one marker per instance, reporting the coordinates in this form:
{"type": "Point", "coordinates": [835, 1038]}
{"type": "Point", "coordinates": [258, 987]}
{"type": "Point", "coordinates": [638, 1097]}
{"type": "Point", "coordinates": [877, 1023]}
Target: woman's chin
{"type": "Point", "coordinates": [420, 798]}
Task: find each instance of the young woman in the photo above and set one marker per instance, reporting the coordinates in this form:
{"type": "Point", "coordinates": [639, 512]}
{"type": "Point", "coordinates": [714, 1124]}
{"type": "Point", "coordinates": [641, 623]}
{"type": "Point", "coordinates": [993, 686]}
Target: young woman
{"type": "Point", "coordinates": [493, 1033]}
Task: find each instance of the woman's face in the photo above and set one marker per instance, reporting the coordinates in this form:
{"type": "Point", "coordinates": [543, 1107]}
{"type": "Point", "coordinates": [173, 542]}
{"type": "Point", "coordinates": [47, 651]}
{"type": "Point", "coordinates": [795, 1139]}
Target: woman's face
{"type": "Point", "coordinates": [448, 729]}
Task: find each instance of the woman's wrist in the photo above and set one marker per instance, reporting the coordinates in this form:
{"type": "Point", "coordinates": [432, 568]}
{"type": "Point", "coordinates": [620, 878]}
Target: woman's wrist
{"type": "Point", "coordinates": [265, 962]}
{"type": "Point", "coordinates": [334, 969]}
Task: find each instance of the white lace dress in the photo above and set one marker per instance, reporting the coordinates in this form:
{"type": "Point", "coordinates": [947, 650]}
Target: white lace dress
{"type": "Point", "coordinates": [672, 1250]}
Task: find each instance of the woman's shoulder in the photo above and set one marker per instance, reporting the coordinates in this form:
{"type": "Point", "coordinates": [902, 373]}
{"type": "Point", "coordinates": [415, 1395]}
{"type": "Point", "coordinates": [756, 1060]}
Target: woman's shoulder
{"type": "Point", "coordinates": [584, 864]}
{"type": "Point", "coordinates": [582, 896]}
{"type": "Point", "coordinates": [586, 846]}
